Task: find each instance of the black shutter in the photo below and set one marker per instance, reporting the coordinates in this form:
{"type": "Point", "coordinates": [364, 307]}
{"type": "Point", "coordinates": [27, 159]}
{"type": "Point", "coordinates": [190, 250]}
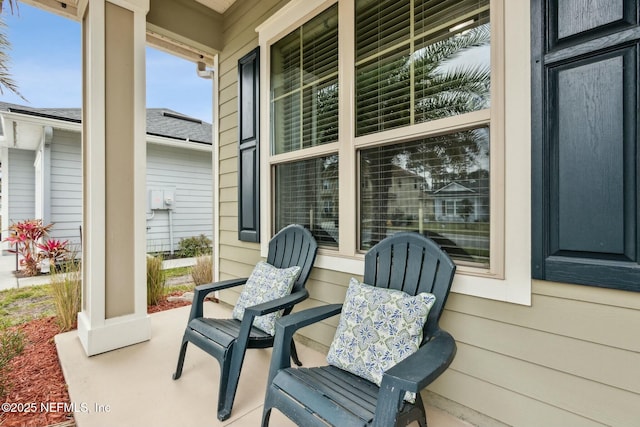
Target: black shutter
{"type": "Point", "coordinates": [585, 143]}
{"type": "Point", "coordinates": [248, 147]}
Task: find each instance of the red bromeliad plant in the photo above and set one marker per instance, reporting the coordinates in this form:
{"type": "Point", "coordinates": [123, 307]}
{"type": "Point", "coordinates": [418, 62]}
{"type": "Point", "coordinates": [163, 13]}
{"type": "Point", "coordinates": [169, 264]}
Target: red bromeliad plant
{"type": "Point", "coordinates": [55, 250]}
{"type": "Point", "coordinates": [25, 237]}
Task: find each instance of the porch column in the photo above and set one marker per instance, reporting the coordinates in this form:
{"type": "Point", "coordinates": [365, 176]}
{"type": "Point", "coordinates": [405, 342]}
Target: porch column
{"type": "Point", "coordinates": [114, 296]}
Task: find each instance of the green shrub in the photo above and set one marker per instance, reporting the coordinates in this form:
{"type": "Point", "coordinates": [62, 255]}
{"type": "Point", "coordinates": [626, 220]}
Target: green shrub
{"type": "Point", "coordinates": [202, 272]}
{"type": "Point", "coordinates": [11, 345]}
{"type": "Point", "coordinates": [195, 246]}
{"type": "Point", "coordinates": [155, 279]}
{"type": "Point", "coordinates": [66, 289]}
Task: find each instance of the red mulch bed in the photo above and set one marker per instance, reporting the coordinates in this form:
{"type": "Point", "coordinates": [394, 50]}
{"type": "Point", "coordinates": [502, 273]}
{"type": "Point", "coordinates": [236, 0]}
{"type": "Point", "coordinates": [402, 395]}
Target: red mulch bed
{"type": "Point", "coordinates": [36, 377]}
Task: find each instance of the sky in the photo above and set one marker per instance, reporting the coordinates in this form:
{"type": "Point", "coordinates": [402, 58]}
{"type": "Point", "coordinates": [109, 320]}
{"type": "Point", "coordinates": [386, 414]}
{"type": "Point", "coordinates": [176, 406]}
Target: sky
{"type": "Point", "coordinates": [45, 63]}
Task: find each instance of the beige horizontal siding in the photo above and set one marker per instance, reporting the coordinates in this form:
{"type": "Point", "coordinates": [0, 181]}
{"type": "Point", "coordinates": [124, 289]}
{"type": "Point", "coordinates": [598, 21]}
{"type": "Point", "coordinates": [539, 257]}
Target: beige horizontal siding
{"type": "Point", "coordinates": [562, 316]}
{"type": "Point", "coordinates": [583, 397]}
{"type": "Point", "coordinates": [556, 352]}
{"type": "Point", "coordinates": [512, 408]}
{"type": "Point", "coordinates": [573, 349]}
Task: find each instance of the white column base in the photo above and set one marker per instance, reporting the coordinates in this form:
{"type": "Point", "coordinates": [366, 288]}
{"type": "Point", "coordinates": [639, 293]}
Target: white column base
{"type": "Point", "coordinates": [114, 333]}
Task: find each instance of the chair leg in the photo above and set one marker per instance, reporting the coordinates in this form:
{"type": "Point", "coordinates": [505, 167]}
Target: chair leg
{"type": "Point", "coordinates": [183, 351]}
{"type": "Point", "coordinates": [266, 414]}
{"type": "Point", "coordinates": [228, 386]}
{"type": "Point", "coordinates": [422, 413]}
{"type": "Point", "coordinates": [294, 354]}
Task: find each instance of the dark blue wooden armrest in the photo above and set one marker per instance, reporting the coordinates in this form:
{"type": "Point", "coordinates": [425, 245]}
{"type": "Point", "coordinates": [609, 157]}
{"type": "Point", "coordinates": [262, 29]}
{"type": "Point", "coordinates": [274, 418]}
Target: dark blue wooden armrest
{"type": "Point", "coordinates": [300, 319]}
{"type": "Point", "coordinates": [418, 370]}
{"type": "Point", "coordinates": [413, 374]}
{"type": "Point", "coordinates": [287, 326]}
{"type": "Point", "coordinates": [201, 291]}
{"type": "Point", "coordinates": [277, 304]}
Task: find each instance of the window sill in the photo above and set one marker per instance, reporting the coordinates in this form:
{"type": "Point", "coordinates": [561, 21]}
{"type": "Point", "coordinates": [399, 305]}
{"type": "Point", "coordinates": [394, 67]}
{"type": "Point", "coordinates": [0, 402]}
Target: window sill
{"type": "Point", "coordinates": [468, 281]}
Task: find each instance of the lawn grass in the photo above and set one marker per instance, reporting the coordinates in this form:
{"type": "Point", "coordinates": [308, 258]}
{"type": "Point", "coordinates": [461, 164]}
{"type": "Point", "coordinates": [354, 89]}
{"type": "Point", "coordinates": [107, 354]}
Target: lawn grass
{"type": "Point", "coordinates": [20, 305]}
{"type": "Point", "coordinates": [178, 271]}
{"type": "Point", "coordinates": [182, 288]}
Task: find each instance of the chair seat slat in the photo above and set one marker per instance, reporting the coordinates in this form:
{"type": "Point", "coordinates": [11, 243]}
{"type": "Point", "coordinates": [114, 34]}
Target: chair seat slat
{"type": "Point", "coordinates": [358, 397]}
{"type": "Point", "coordinates": [319, 398]}
{"type": "Point", "coordinates": [348, 381]}
{"type": "Point", "coordinates": [232, 327]}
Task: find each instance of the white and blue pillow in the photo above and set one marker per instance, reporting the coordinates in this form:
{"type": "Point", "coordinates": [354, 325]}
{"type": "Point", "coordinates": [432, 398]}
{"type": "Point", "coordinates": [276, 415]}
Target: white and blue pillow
{"type": "Point", "coordinates": [266, 283]}
{"type": "Point", "coordinates": [377, 329]}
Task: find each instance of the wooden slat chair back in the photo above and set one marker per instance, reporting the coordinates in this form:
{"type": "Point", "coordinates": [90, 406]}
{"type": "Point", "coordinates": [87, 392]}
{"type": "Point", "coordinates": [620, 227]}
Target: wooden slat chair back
{"type": "Point", "coordinates": [327, 395]}
{"type": "Point", "coordinates": [413, 264]}
{"type": "Point", "coordinates": [228, 339]}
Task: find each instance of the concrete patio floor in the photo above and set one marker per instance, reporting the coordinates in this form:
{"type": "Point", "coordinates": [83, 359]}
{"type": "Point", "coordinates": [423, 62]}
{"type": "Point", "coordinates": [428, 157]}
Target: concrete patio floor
{"type": "Point", "coordinates": [133, 386]}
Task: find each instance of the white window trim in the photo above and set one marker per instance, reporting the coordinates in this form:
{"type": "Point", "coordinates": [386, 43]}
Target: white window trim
{"type": "Point", "coordinates": [508, 278]}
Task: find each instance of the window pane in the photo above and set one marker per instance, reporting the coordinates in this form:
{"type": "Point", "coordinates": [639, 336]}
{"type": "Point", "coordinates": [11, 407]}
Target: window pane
{"type": "Point", "coordinates": [304, 73]}
{"type": "Point", "coordinates": [285, 65]}
{"type": "Point", "coordinates": [383, 97]}
{"type": "Point", "coordinates": [320, 107]}
{"type": "Point", "coordinates": [411, 72]}
{"type": "Point", "coordinates": [286, 132]}
{"type": "Point", "coordinates": [452, 58]}
{"type": "Point", "coordinates": [381, 25]}
{"type": "Point", "coordinates": [307, 194]}
{"type": "Point", "coordinates": [437, 186]}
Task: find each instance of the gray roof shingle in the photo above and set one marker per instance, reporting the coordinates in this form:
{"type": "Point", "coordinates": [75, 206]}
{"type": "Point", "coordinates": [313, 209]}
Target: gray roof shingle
{"type": "Point", "coordinates": [160, 121]}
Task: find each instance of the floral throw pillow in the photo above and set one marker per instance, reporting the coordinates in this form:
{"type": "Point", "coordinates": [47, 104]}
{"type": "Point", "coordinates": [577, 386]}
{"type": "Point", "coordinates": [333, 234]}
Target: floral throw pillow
{"type": "Point", "coordinates": [266, 283]}
{"type": "Point", "coordinates": [377, 329]}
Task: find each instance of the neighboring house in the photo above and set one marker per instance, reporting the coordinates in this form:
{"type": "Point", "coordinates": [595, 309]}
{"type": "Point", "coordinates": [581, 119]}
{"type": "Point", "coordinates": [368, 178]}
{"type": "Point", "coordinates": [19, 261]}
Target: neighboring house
{"type": "Point", "coordinates": [42, 169]}
{"type": "Point", "coordinates": [459, 203]}
{"type": "Point", "coordinates": [546, 321]}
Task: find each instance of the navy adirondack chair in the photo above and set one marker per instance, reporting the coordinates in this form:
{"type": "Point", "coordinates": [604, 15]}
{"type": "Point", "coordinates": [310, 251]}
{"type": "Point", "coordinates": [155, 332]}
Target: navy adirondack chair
{"type": "Point", "coordinates": [328, 395]}
{"type": "Point", "coordinates": [228, 339]}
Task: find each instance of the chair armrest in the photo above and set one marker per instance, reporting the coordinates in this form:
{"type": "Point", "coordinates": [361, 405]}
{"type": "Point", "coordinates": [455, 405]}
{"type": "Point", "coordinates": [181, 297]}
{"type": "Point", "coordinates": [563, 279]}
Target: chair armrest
{"type": "Point", "coordinates": [413, 374]}
{"type": "Point", "coordinates": [201, 291]}
{"type": "Point", "coordinates": [294, 321]}
{"type": "Point", "coordinates": [420, 369]}
{"type": "Point", "coordinates": [286, 326]}
{"type": "Point", "coordinates": [277, 304]}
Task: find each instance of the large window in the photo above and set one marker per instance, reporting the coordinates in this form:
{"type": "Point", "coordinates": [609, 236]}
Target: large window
{"type": "Point", "coordinates": [407, 141]}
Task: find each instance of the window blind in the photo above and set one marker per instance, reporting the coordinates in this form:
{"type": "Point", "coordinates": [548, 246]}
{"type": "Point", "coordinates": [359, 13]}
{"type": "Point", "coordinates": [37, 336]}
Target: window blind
{"type": "Point", "coordinates": [410, 66]}
{"type": "Point", "coordinates": [304, 85]}
{"type": "Point", "coordinates": [436, 186]}
{"type": "Point", "coordinates": [307, 194]}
